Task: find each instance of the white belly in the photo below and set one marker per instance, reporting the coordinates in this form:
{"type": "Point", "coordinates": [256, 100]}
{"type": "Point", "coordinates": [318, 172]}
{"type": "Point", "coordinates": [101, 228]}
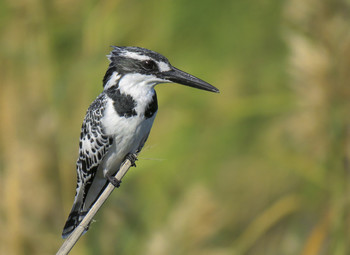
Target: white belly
{"type": "Point", "coordinates": [128, 134]}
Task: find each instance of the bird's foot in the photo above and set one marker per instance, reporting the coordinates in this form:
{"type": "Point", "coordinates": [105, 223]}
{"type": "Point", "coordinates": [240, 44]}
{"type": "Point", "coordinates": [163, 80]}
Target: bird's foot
{"type": "Point", "coordinates": [116, 183]}
{"type": "Point", "coordinates": [132, 157]}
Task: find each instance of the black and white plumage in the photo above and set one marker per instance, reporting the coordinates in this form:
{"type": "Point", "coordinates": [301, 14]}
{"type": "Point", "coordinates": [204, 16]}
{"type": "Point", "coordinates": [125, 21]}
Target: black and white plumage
{"type": "Point", "coordinates": [118, 122]}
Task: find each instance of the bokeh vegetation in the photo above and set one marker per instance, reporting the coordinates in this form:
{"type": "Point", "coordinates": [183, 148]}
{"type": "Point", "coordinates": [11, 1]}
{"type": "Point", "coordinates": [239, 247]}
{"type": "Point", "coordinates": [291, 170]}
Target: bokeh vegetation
{"type": "Point", "coordinates": [261, 168]}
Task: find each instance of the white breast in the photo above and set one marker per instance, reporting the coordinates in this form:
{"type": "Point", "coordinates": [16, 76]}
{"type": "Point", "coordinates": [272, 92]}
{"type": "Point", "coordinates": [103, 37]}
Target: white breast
{"type": "Point", "coordinates": [128, 134]}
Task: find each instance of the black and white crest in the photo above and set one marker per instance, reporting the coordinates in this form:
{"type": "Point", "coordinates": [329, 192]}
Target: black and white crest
{"type": "Point", "coordinates": [124, 60]}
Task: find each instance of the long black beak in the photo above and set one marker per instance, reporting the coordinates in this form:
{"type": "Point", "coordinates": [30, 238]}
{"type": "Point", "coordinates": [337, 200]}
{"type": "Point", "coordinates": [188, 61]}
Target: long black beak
{"type": "Point", "coordinates": [181, 77]}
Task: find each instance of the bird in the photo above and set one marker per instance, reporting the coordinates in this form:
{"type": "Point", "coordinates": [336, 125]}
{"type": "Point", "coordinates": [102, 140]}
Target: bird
{"type": "Point", "coordinates": [118, 122]}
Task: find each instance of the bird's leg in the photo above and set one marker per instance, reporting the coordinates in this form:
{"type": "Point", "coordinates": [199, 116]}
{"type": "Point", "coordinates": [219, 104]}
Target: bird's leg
{"type": "Point", "coordinates": [116, 183]}
{"type": "Point", "coordinates": [132, 157]}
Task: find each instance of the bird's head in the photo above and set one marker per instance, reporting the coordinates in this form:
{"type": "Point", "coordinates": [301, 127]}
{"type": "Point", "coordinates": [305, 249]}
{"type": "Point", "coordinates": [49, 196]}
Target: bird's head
{"type": "Point", "coordinates": [134, 66]}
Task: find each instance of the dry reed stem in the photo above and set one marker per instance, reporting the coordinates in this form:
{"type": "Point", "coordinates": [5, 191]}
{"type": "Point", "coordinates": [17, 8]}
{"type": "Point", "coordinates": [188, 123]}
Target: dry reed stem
{"type": "Point", "coordinates": [83, 226]}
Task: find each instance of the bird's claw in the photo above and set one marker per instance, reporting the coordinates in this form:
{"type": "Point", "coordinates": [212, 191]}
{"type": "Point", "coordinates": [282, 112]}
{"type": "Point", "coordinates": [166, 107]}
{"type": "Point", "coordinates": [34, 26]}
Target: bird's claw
{"type": "Point", "coordinates": [116, 183]}
{"type": "Point", "coordinates": [132, 157]}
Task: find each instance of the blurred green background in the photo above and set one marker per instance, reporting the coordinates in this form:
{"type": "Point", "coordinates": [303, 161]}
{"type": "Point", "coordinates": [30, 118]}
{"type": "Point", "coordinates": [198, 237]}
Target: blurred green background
{"type": "Point", "coordinates": [261, 168]}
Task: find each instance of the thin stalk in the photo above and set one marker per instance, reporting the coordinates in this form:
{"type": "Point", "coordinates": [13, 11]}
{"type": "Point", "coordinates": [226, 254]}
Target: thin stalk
{"type": "Point", "coordinates": [84, 224]}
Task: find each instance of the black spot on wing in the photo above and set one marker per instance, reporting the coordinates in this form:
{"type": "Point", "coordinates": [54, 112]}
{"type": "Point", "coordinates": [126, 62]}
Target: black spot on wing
{"type": "Point", "coordinates": [123, 104]}
{"type": "Point", "coordinates": [152, 107]}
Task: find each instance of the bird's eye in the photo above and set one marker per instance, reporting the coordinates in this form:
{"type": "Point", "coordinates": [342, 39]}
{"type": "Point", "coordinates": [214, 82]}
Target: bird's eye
{"type": "Point", "coordinates": [150, 65]}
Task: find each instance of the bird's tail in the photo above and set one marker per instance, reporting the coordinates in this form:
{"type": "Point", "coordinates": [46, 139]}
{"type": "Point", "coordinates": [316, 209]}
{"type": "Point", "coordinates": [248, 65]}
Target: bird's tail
{"type": "Point", "coordinates": [78, 210]}
{"type": "Point", "coordinates": [85, 198]}
{"type": "Point", "coordinates": [75, 217]}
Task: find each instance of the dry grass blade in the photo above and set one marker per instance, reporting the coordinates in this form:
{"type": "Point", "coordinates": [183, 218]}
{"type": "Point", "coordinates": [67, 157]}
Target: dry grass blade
{"type": "Point", "coordinates": [74, 237]}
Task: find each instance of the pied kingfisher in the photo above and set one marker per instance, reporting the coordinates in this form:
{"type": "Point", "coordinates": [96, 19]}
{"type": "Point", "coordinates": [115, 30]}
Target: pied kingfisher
{"type": "Point", "coordinates": [118, 122]}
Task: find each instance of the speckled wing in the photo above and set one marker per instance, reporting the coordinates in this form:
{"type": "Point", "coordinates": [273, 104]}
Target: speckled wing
{"type": "Point", "coordinates": [93, 146]}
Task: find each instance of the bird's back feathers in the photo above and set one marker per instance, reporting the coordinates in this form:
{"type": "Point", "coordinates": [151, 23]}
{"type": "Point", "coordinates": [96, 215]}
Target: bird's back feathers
{"type": "Point", "coordinates": [93, 146]}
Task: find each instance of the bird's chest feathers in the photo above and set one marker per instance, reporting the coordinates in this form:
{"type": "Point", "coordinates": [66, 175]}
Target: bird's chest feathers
{"type": "Point", "coordinates": [126, 115]}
